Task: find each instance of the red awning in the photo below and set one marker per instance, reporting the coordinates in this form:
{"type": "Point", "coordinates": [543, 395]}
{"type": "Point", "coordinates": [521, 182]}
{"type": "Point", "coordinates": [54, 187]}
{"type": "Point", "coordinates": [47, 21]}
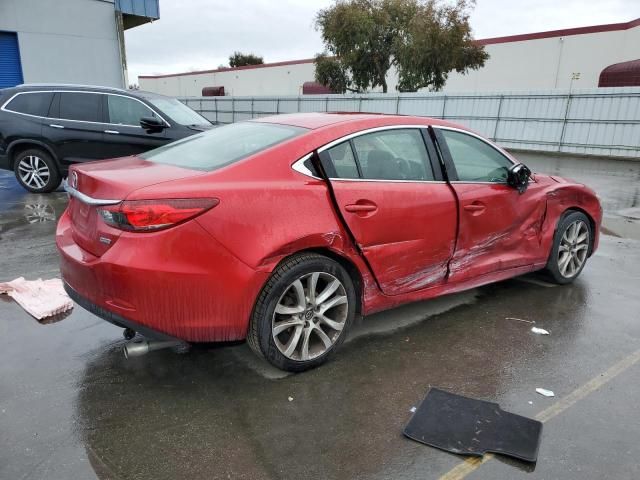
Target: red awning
{"type": "Point", "coordinates": [625, 74]}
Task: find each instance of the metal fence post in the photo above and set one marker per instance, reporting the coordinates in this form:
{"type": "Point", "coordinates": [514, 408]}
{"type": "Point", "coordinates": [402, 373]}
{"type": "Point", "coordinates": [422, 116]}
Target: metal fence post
{"type": "Point", "coordinates": [495, 130]}
{"type": "Point", "coordinates": [398, 104]}
{"type": "Point", "coordinates": [233, 109]}
{"type": "Point", "coordinates": [360, 104]}
{"type": "Point", "coordinates": [444, 106]}
{"type": "Point", "coordinates": [326, 104]}
{"type": "Point", "coordinates": [565, 121]}
{"type": "Point", "coordinates": [252, 114]}
{"type": "Point", "coordinates": [215, 106]}
{"type": "Point", "coordinates": [299, 103]}
{"type": "Point", "coordinates": [277, 106]}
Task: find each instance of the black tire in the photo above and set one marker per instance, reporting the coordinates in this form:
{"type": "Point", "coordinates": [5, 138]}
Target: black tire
{"type": "Point", "coordinates": [49, 177]}
{"type": "Point", "coordinates": [554, 268]}
{"type": "Point", "coordinates": [261, 334]}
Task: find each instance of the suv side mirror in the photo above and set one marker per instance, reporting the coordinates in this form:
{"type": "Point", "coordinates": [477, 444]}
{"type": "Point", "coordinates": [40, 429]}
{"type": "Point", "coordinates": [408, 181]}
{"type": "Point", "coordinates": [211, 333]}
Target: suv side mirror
{"type": "Point", "coordinates": [152, 124]}
{"type": "Point", "coordinates": [518, 177]}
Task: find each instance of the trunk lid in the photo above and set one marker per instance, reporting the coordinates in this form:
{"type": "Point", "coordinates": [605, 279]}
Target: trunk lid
{"type": "Point", "coordinates": [109, 182]}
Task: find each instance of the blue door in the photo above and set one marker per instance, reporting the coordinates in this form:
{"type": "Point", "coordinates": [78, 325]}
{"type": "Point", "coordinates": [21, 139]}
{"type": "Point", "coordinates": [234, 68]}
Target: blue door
{"type": "Point", "coordinates": [10, 68]}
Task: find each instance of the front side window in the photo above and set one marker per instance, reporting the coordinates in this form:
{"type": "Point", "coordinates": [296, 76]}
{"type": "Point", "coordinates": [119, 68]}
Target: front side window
{"type": "Point", "coordinates": [79, 106]}
{"type": "Point", "coordinates": [126, 111]}
{"type": "Point", "coordinates": [223, 145]}
{"type": "Point", "coordinates": [31, 103]}
{"type": "Point", "coordinates": [475, 160]}
{"type": "Point", "coordinates": [178, 111]}
{"type": "Point", "coordinates": [397, 154]}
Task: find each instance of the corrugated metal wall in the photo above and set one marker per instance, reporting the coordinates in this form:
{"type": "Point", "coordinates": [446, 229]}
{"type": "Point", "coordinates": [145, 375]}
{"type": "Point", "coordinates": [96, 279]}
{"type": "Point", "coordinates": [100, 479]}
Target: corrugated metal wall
{"type": "Point", "coordinates": [593, 122]}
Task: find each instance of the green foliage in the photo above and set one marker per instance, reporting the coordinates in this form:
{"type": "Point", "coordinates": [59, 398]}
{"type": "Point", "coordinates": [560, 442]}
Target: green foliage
{"type": "Point", "coordinates": [423, 39]}
{"type": "Point", "coordinates": [239, 59]}
{"type": "Point", "coordinates": [331, 73]}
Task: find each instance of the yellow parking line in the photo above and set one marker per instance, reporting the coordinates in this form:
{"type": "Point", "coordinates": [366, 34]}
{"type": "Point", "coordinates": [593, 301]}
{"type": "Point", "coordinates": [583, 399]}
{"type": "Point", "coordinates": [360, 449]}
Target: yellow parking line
{"type": "Point", "coordinates": [471, 464]}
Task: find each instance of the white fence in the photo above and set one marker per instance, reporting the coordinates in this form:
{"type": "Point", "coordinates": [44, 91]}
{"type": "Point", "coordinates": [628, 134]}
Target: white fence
{"type": "Point", "coordinates": [603, 121]}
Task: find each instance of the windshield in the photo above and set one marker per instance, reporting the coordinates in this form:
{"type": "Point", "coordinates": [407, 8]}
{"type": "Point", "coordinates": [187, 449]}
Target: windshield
{"type": "Point", "coordinates": [178, 111]}
{"type": "Point", "coordinates": [222, 145]}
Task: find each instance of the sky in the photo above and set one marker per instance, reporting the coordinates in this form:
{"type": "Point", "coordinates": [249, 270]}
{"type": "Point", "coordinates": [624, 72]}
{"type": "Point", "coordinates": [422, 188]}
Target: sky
{"type": "Point", "coordinates": [201, 34]}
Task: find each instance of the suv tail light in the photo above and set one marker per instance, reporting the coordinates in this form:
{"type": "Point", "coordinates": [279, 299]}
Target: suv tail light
{"type": "Point", "coordinates": [151, 215]}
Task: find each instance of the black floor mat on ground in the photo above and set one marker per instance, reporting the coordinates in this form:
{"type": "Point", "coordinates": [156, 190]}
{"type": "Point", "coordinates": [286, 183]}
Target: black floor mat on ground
{"type": "Point", "coordinates": [473, 427]}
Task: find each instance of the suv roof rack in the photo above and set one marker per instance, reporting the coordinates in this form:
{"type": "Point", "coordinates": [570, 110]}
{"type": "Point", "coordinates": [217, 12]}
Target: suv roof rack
{"type": "Point", "coordinates": [71, 85]}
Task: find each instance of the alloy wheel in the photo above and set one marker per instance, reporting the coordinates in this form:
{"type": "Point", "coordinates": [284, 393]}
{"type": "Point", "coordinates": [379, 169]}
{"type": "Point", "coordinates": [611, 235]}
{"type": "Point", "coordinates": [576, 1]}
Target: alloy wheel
{"type": "Point", "coordinates": [310, 316]}
{"type": "Point", "coordinates": [34, 172]}
{"type": "Point", "coordinates": [573, 249]}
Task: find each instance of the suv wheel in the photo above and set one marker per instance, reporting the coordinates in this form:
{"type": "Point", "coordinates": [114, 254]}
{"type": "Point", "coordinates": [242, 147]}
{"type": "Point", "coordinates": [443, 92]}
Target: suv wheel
{"type": "Point", "coordinates": [36, 171]}
{"type": "Point", "coordinates": [303, 313]}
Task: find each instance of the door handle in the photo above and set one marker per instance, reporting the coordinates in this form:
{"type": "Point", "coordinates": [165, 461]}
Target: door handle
{"type": "Point", "coordinates": [360, 208]}
{"type": "Point", "coordinates": [112, 132]}
{"type": "Point", "coordinates": [55, 125]}
{"type": "Point", "coordinates": [475, 207]}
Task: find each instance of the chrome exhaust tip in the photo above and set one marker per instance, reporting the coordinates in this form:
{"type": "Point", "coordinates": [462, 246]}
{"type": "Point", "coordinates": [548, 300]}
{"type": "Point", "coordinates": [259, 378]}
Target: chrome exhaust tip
{"type": "Point", "coordinates": [137, 349]}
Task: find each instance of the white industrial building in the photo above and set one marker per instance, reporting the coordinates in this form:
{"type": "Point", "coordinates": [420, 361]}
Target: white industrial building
{"type": "Point", "coordinates": [570, 58]}
{"type": "Point", "coordinates": [68, 41]}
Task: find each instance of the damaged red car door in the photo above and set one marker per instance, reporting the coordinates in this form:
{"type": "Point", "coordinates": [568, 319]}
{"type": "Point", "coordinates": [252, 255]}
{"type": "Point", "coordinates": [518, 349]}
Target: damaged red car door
{"type": "Point", "coordinates": [499, 227]}
{"type": "Point", "coordinates": [392, 196]}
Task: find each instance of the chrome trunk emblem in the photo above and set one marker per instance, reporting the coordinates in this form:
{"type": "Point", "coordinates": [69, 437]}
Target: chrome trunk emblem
{"type": "Point", "coordinates": [74, 179]}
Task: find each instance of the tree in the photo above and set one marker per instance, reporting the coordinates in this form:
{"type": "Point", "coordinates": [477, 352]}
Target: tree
{"type": "Point", "coordinates": [332, 73]}
{"type": "Point", "coordinates": [423, 39]}
{"type": "Point", "coordinates": [239, 59]}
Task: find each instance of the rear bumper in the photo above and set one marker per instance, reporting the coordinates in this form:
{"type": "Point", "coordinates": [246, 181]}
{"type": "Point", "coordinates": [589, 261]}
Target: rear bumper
{"type": "Point", "coordinates": [179, 283]}
{"type": "Point", "coordinates": [114, 318]}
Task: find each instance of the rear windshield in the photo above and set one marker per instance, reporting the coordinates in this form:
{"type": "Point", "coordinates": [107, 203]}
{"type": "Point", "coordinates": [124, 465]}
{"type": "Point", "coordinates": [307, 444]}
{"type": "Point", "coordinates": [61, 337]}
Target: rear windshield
{"type": "Point", "coordinates": [222, 146]}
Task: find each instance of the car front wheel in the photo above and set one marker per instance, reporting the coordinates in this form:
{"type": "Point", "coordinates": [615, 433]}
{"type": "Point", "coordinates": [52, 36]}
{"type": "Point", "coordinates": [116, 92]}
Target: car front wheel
{"type": "Point", "coordinates": [36, 171]}
{"type": "Point", "coordinates": [303, 312]}
{"type": "Point", "coordinates": [571, 246]}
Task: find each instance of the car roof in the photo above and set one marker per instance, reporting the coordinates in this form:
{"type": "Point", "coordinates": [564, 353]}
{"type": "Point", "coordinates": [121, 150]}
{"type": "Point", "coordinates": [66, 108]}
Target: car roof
{"type": "Point", "coordinates": [320, 119]}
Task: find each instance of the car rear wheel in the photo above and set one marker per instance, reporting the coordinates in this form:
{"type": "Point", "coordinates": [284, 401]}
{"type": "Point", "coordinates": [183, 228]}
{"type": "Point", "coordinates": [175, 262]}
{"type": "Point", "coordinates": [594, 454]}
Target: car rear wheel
{"type": "Point", "coordinates": [571, 246]}
{"type": "Point", "coordinates": [303, 313]}
{"type": "Point", "coordinates": [36, 171]}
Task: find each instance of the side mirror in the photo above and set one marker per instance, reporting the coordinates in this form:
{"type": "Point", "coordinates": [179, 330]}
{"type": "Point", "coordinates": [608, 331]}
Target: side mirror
{"type": "Point", "coordinates": [152, 124]}
{"type": "Point", "coordinates": [518, 177]}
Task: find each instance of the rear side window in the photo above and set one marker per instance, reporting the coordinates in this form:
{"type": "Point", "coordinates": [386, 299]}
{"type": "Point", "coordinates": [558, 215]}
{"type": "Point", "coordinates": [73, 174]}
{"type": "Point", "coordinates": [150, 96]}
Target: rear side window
{"type": "Point", "coordinates": [80, 106]}
{"type": "Point", "coordinates": [126, 111]}
{"type": "Point", "coordinates": [397, 154]}
{"type": "Point", "coordinates": [36, 103]}
{"type": "Point", "coordinates": [222, 145]}
{"type": "Point", "coordinates": [343, 161]}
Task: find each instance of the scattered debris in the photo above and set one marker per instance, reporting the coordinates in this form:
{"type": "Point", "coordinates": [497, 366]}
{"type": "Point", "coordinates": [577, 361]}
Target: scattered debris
{"type": "Point", "coordinates": [539, 331]}
{"type": "Point", "coordinates": [530, 402]}
{"type": "Point", "coordinates": [520, 320]}
{"type": "Point", "coordinates": [468, 426]}
{"type": "Point", "coordinates": [290, 399]}
{"type": "Point", "coordinates": [40, 298]}
{"type": "Point", "coordinates": [545, 392]}
{"type": "Point", "coordinates": [412, 409]}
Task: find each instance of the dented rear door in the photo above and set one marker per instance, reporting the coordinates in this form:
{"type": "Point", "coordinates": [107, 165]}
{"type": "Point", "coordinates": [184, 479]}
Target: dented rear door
{"type": "Point", "coordinates": [400, 212]}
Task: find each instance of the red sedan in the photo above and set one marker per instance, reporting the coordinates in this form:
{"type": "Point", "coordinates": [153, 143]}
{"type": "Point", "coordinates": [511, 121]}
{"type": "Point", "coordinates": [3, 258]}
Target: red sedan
{"type": "Point", "coordinates": [281, 230]}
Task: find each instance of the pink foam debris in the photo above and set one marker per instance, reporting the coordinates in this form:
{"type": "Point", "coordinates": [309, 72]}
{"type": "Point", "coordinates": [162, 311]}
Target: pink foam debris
{"type": "Point", "coordinates": [40, 298]}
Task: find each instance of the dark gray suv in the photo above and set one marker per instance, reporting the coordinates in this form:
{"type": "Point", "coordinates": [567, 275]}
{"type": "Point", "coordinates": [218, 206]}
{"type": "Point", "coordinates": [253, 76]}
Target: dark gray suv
{"type": "Point", "coordinates": [46, 128]}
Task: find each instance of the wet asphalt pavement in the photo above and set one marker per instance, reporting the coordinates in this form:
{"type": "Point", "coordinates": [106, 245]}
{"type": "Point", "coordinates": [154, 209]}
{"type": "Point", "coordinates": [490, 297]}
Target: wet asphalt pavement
{"type": "Point", "coordinates": [71, 406]}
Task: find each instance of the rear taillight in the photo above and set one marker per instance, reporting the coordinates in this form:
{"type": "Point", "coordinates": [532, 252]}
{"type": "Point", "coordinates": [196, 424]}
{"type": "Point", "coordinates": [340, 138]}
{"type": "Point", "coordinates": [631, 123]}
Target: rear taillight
{"type": "Point", "coordinates": [148, 215]}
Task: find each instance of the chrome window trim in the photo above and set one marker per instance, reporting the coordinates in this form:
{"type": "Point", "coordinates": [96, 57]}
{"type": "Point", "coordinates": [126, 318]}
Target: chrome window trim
{"type": "Point", "coordinates": [86, 198]}
{"type": "Point", "coordinates": [299, 167]}
{"type": "Point", "coordinates": [369, 130]}
{"type": "Point", "coordinates": [4, 109]}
